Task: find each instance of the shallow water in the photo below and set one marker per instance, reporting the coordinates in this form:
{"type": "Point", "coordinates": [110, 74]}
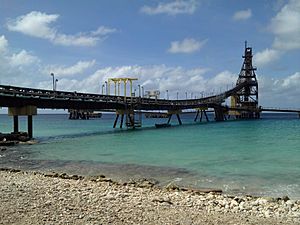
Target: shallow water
{"type": "Point", "coordinates": [260, 157]}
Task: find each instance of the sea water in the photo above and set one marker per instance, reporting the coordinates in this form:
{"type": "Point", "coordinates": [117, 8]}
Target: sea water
{"type": "Point", "coordinates": [259, 157]}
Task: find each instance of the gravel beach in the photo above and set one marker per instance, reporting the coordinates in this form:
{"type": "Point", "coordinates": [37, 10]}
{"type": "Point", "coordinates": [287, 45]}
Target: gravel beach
{"type": "Point", "coordinates": [36, 198]}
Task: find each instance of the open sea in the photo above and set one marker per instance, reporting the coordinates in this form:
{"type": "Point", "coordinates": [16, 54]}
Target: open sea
{"type": "Point", "coordinates": [258, 157]}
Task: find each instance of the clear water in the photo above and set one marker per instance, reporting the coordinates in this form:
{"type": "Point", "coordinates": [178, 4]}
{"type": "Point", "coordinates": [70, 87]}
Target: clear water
{"type": "Point", "coordinates": [260, 157]}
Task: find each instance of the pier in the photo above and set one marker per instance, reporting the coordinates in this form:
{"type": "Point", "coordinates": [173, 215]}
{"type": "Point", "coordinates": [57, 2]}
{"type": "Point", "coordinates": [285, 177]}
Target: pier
{"type": "Point", "coordinates": [23, 101]}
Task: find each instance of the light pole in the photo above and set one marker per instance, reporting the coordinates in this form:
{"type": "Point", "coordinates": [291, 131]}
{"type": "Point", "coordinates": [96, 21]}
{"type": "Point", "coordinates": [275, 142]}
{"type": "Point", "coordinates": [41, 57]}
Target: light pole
{"type": "Point", "coordinates": [177, 95]}
{"type": "Point", "coordinates": [103, 85]}
{"type": "Point", "coordinates": [106, 87]}
{"type": "Point", "coordinates": [143, 91]}
{"type": "Point", "coordinates": [139, 90]}
{"type": "Point", "coordinates": [185, 95]}
{"type": "Point", "coordinates": [167, 94]}
{"type": "Point", "coordinates": [53, 85]}
{"type": "Point", "coordinates": [192, 95]}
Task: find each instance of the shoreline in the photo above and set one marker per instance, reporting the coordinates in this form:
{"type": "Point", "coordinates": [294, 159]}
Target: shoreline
{"type": "Point", "coordinates": [29, 197]}
{"type": "Point", "coordinates": [124, 172]}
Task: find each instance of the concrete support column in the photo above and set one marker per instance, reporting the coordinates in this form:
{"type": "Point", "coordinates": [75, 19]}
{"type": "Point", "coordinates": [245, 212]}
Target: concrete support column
{"type": "Point", "coordinates": [28, 111]}
{"type": "Point", "coordinates": [219, 114]}
{"type": "Point", "coordinates": [16, 124]}
{"type": "Point", "coordinates": [30, 127]}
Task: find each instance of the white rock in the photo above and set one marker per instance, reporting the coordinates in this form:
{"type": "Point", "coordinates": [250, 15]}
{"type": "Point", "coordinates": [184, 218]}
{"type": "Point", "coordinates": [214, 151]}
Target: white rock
{"type": "Point", "coordinates": [234, 203]}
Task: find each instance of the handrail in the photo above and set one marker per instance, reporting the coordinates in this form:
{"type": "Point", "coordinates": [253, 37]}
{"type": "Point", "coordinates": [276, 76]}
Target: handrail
{"type": "Point", "coordinates": [91, 97]}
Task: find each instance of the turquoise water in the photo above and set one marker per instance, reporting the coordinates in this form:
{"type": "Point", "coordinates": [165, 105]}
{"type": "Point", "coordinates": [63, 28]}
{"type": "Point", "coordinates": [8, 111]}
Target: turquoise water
{"type": "Point", "coordinates": [260, 157]}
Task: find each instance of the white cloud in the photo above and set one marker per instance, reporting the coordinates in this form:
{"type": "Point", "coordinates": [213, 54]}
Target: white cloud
{"type": "Point", "coordinates": [188, 45]}
{"type": "Point", "coordinates": [75, 40]}
{"type": "Point", "coordinates": [286, 27]}
{"type": "Point", "coordinates": [242, 15]}
{"type": "Point", "coordinates": [223, 80]}
{"type": "Point", "coordinates": [78, 68]}
{"type": "Point", "coordinates": [172, 8]}
{"type": "Point", "coordinates": [266, 56]}
{"type": "Point", "coordinates": [38, 24]}
{"type": "Point", "coordinates": [102, 31]}
{"type": "Point", "coordinates": [282, 92]}
{"type": "Point", "coordinates": [3, 44]}
{"type": "Point", "coordinates": [18, 67]}
{"type": "Point", "coordinates": [22, 58]}
{"type": "Point", "coordinates": [35, 24]}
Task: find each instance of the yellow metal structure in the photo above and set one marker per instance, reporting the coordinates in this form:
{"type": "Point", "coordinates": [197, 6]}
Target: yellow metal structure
{"type": "Point", "coordinates": [118, 81]}
{"type": "Point", "coordinates": [233, 104]}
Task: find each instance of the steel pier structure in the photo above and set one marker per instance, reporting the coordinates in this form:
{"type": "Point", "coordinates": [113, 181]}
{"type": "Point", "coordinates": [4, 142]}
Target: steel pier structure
{"type": "Point", "coordinates": [23, 101]}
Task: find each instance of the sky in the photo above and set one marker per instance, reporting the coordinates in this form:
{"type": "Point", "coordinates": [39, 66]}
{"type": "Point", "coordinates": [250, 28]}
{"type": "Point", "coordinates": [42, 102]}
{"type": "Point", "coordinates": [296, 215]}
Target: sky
{"type": "Point", "coordinates": [185, 46]}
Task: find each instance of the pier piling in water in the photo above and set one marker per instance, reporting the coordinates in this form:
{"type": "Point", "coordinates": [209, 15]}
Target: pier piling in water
{"type": "Point", "coordinates": [16, 124]}
{"type": "Point", "coordinates": [131, 119]}
{"type": "Point", "coordinates": [28, 111]}
{"type": "Point", "coordinates": [174, 112]}
{"type": "Point", "coordinates": [30, 126]}
{"type": "Point", "coordinates": [201, 111]}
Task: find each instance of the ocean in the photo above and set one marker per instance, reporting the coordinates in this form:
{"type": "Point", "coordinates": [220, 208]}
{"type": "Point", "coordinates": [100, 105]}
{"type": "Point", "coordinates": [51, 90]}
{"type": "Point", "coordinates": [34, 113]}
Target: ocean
{"type": "Point", "coordinates": [255, 157]}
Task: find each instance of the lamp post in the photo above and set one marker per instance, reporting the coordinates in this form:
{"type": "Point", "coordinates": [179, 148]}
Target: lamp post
{"type": "Point", "coordinates": [177, 95]}
{"type": "Point", "coordinates": [106, 87]}
{"type": "Point", "coordinates": [55, 86]}
{"type": "Point", "coordinates": [167, 94]}
{"type": "Point", "coordinates": [185, 95]}
{"type": "Point", "coordinates": [139, 90]}
{"type": "Point", "coordinates": [53, 82]}
{"type": "Point", "coordinates": [192, 95]}
{"type": "Point", "coordinates": [143, 91]}
{"type": "Point", "coordinates": [103, 85]}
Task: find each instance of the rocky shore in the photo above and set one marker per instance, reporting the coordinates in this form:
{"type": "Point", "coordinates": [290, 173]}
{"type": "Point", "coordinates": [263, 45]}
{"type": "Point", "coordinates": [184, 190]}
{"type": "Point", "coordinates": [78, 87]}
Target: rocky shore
{"type": "Point", "coordinates": [36, 198]}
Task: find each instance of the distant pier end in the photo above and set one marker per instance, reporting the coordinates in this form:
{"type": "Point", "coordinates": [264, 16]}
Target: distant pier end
{"type": "Point", "coordinates": [246, 98]}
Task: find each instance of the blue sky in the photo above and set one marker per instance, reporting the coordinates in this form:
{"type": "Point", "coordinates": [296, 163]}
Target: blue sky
{"type": "Point", "coordinates": [180, 46]}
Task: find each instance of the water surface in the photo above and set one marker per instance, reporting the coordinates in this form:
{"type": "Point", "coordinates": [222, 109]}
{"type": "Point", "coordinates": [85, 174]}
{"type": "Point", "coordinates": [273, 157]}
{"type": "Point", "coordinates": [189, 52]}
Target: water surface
{"type": "Point", "coordinates": [259, 157]}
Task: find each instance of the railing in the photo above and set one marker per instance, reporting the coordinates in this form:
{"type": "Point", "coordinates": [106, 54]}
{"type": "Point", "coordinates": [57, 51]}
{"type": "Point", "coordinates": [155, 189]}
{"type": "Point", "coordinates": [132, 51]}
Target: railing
{"type": "Point", "coordinates": [42, 94]}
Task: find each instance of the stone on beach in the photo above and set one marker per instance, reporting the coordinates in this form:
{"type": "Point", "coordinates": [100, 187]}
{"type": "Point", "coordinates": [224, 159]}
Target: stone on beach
{"type": "Point", "coordinates": [52, 198]}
